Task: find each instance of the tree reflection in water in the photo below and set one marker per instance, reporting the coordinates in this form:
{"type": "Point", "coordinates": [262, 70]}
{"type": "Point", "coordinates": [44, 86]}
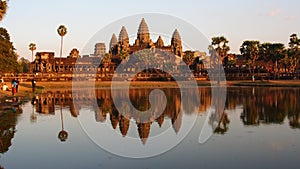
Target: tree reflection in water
{"type": "Point", "coordinates": [9, 113]}
{"type": "Point", "coordinates": [270, 106]}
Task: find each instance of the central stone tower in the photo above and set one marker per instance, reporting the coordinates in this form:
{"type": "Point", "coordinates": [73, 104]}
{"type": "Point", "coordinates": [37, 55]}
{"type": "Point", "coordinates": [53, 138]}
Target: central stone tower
{"type": "Point", "coordinates": [143, 35]}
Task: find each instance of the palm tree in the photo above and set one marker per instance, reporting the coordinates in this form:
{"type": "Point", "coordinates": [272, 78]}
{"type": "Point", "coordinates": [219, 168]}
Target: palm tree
{"type": "Point", "coordinates": [219, 44]}
{"type": "Point", "coordinates": [62, 31]}
{"type": "Point", "coordinates": [32, 47]}
{"type": "Point", "coordinates": [3, 9]}
{"type": "Point", "coordinates": [294, 50]}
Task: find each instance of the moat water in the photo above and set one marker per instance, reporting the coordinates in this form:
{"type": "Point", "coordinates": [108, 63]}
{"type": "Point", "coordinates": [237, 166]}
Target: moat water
{"type": "Point", "coordinates": [259, 128]}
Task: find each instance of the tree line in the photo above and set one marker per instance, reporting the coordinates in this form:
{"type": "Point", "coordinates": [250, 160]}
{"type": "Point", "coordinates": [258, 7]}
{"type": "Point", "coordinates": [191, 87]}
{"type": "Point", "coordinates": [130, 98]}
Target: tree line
{"type": "Point", "coordinates": [252, 51]}
{"type": "Point", "coordinates": [8, 56]}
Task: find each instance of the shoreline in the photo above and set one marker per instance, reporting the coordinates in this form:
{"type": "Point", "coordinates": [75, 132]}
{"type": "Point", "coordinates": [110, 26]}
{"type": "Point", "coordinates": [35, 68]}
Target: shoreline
{"type": "Point", "coordinates": [25, 89]}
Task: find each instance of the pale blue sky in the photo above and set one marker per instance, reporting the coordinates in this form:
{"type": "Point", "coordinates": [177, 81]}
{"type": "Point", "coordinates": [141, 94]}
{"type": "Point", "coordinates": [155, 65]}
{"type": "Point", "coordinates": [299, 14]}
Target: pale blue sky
{"type": "Point", "coordinates": [36, 20]}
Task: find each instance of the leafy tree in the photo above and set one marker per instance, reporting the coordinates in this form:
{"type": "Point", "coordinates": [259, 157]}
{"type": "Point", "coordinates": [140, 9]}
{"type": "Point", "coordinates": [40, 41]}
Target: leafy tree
{"type": "Point", "coordinates": [124, 56]}
{"type": "Point", "coordinates": [294, 52]}
{"type": "Point", "coordinates": [74, 53]}
{"type": "Point", "coordinates": [3, 9]}
{"type": "Point", "coordinates": [250, 50]}
{"type": "Point", "coordinates": [25, 64]}
{"type": "Point", "coordinates": [188, 57]}
{"type": "Point", "coordinates": [272, 51]}
{"type": "Point", "coordinates": [8, 57]}
{"type": "Point", "coordinates": [106, 58]}
{"type": "Point", "coordinates": [220, 46]}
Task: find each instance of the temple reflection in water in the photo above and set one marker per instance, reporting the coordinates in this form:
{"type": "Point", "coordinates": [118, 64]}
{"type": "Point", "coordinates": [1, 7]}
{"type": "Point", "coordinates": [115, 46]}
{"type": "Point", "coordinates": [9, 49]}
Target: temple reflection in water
{"type": "Point", "coordinates": [260, 105]}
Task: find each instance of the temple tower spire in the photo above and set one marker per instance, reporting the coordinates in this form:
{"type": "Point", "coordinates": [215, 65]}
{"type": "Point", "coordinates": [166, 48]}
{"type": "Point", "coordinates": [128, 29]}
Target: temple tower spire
{"type": "Point", "coordinates": [143, 35]}
{"type": "Point", "coordinates": [176, 44]}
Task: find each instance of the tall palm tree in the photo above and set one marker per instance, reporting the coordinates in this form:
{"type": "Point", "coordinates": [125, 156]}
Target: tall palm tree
{"type": "Point", "coordinates": [294, 50]}
{"type": "Point", "coordinates": [3, 9]}
{"type": "Point", "coordinates": [220, 45]}
{"type": "Point", "coordinates": [32, 47]}
{"type": "Point", "coordinates": [62, 31]}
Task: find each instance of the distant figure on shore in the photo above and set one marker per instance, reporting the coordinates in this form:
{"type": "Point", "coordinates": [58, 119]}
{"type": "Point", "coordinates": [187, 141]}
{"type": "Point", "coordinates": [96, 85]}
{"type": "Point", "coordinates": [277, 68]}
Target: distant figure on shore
{"type": "Point", "coordinates": [1, 82]}
{"type": "Point", "coordinates": [14, 87]}
{"type": "Point", "coordinates": [17, 86]}
{"type": "Point", "coordinates": [5, 87]}
{"type": "Point", "coordinates": [33, 83]}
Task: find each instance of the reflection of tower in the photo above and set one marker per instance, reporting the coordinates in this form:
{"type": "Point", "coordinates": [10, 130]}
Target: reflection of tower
{"type": "Point", "coordinates": [114, 118]}
{"type": "Point", "coordinates": [176, 43]}
{"type": "Point", "coordinates": [160, 120]}
{"type": "Point", "coordinates": [177, 121]}
{"type": "Point", "coordinates": [124, 125]}
{"type": "Point", "coordinates": [144, 130]}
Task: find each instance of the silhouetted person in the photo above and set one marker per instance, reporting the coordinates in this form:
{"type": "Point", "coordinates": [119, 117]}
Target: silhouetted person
{"type": "Point", "coordinates": [17, 85]}
{"type": "Point", "coordinates": [33, 84]}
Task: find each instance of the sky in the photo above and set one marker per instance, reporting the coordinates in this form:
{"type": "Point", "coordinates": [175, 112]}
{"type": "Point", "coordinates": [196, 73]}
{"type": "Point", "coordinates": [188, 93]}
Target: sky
{"type": "Point", "coordinates": [238, 20]}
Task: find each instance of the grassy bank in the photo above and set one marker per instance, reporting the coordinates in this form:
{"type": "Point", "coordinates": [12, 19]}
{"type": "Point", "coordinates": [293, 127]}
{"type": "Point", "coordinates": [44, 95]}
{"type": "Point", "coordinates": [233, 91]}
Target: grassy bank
{"type": "Point", "coordinates": [25, 89]}
{"type": "Point", "coordinates": [270, 83]}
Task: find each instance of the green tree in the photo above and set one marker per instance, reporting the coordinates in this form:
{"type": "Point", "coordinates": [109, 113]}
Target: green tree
{"type": "Point", "coordinates": [294, 52]}
{"type": "Point", "coordinates": [250, 50]}
{"type": "Point", "coordinates": [219, 48]}
{"type": "Point", "coordinates": [8, 56]}
{"type": "Point", "coordinates": [220, 45]}
{"type": "Point", "coordinates": [106, 60]}
{"type": "Point", "coordinates": [25, 64]}
{"type": "Point", "coordinates": [3, 9]}
{"type": "Point", "coordinates": [188, 57]}
{"type": "Point", "coordinates": [272, 51]}
{"type": "Point", "coordinates": [124, 56]}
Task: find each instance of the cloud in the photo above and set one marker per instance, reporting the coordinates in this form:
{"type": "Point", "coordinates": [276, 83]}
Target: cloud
{"type": "Point", "coordinates": [290, 18]}
{"type": "Point", "coordinates": [275, 12]}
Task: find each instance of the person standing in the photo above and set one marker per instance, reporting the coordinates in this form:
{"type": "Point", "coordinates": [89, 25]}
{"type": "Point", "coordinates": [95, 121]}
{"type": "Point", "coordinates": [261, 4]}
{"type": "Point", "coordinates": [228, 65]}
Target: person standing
{"type": "Point", "coordinates": [17, 86]}
{"type": "Point", "coordinates": [33, 84]}
{"type": "Point", "coordinates": [14, 87]}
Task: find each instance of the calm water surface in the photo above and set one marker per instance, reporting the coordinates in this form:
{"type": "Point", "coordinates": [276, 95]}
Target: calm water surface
{"type": "Point", "coordinates": [260, 128]}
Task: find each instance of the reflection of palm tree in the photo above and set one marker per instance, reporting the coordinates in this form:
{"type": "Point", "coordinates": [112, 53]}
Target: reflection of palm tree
{"type": "Point", "coordinates": [62, 135]}
{"type": "Point", "coordinates": [224, 121]}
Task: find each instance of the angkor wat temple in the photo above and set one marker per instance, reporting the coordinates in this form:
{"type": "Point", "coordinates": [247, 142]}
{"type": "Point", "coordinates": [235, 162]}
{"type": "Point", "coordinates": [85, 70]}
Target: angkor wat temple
{"type": "Point", "coordinates": [47, 64]}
